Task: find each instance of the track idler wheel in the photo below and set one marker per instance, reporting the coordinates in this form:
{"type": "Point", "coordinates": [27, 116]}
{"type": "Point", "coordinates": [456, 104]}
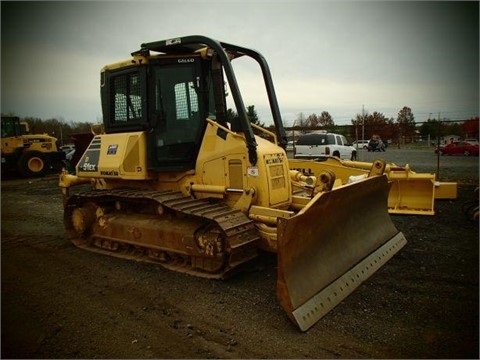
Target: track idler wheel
{"type": "Point", "coordinates": [210, 243]}
{"type": "Point", "coordinates": [83, 218]}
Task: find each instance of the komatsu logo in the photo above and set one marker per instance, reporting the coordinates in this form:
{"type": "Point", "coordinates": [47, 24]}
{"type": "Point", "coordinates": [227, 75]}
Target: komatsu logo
{"type": "Point", "coordinates": [109, 172]}
{"type": "Point", "coordinates": [277, 160]}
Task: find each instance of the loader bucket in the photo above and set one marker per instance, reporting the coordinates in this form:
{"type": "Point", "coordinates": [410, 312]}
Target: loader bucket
{"type": "Point", "coordinates": [331, 246]}
{"type": "Point", "coordinates": [412, 195]}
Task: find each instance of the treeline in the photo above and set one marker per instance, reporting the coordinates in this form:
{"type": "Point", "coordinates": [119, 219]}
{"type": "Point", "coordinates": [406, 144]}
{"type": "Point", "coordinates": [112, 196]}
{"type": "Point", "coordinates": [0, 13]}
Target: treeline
{"type": "Point", "coordinates": [466, 129]}
{"type": "Point", "coordinates": [58, 128]}
{"type": "Point", "coordinates": [402, 129]}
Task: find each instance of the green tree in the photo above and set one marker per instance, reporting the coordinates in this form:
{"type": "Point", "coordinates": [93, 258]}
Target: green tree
{"type": "Point", "coordinates": [377, 123]}
{"type": "Point", "coordinates": [430, 128]}
{"type": "Point", "coordinates": [232, 118]}
{"type": "Point", "coordinates": [470, 128]}
{"type": "Point", "coordinates": [370, 124]}
{"type": "Point", "coordinates": [390, 131]}
{"type": "Point", "coordinates": [326, 120]}
{"type": "Point", "coordinates": [231, 115]}
{"type": "Point", "coordinates": [253, 117]}
{"type": "Point", "coordinates": [57, 127]}
{"type": "Point", "coordinates": [454, 129]}
{"type": "Point", "coordinates": [358, 128]}
{"type": "Point", "coordinates": [406, 124]}
{"type": "Point", "coordinates": [36, 125]}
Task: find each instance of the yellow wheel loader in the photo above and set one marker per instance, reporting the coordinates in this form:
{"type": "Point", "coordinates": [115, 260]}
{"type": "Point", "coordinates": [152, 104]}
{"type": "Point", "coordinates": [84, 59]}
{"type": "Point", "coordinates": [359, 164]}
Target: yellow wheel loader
{"type": "Point", "coordinates": [32, 155]}
{"type": "Point", "coordinates": [173, 181]}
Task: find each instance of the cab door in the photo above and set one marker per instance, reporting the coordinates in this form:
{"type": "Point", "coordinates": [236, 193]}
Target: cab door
{"type": "Point", "coordinates": [178, 102]}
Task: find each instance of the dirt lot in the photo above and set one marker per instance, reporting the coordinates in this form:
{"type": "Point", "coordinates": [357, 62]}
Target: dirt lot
{"type": "Point", "coordinates": [62, 302]}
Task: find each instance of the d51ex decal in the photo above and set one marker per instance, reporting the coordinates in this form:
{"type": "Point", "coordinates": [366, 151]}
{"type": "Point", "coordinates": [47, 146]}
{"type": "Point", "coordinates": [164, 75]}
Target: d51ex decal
{"type": "Point", "coordinates": [89, 161]}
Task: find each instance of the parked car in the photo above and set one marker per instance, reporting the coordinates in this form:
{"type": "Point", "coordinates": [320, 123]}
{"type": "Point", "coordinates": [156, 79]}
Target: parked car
{"type": "Point", "coordinates": [458, 148]}
{"type": "Point", "coordinates": [290, 146]}
{"type": "Point", "coordinates": [472, 141]}
{"type": "Point", "coordinates": [376, 144]}
{"type": "Point", "coordinates": [325, 144]}
{"type": "Point", "coordinates": [67, 148]}
{"type": "Point", "coordinates": [362, 144]}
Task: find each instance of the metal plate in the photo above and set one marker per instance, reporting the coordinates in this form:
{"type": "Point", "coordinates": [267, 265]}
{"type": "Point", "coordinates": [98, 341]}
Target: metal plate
{"type": "Point", "coordinates": [319, 305]}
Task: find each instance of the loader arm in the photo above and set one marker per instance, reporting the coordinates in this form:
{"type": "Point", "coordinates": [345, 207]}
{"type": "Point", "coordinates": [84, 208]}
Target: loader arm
{"type": "Point", "coordinates": [410, 193]}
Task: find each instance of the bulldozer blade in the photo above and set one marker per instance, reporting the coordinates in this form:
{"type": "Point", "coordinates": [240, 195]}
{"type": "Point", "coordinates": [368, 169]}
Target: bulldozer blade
{"type": "Point", "coordinates": [331, 246]}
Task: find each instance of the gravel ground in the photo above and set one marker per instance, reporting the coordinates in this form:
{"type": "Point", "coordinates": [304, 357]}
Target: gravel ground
{"type": "Point", "coordinates": [62, 302]}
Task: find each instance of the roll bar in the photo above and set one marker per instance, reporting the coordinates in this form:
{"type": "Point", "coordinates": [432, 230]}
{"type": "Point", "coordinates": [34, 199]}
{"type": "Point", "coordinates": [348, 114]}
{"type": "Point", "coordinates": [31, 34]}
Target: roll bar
{"type": "Point", "coordinates": [191, 43]}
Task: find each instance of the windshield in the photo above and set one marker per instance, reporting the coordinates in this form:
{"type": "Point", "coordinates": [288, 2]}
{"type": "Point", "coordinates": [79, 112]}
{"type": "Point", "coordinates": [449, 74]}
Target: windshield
{"type": "Point", "coordinates": [316, 139]}
{"type": "Point", "coordinates": [11, 127]}
{"type": "Point", "coordinates": [127, 103]}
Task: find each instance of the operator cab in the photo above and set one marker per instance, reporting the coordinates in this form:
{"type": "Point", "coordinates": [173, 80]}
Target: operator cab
{"type": "Point", "coordinates": [11, 127]}
{"type": "Point", "coordinates": [169, 97]}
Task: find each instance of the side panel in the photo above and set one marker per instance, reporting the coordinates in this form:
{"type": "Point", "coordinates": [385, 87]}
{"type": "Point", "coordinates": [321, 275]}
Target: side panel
{"type": "Point", "coordinates": [278, 179]}
{"type": "Point", "coordinates": [11, 144]}
{"type": "Point", "coordinates": [121, 156]}
{"type": "Point", "coordinates": [42, 143]}
{"type": "Point", "coordinates": [223, 161]}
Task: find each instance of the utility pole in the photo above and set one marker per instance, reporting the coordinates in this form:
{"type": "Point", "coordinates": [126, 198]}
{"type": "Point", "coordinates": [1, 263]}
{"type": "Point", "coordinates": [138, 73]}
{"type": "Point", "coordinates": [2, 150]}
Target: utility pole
{"type": "Point", "coordinates": [437, 177]}
{"type": "Point", "coordinates": [363, 122]}
{"type": "Point", "coordinates": [61, 135]}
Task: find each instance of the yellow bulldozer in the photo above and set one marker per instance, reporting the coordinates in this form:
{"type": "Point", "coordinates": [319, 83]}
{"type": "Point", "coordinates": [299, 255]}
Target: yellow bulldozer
{"type": "Point", "coordinates": [31, 155]}
{"type": "Point", "coordinates": [174, 181]}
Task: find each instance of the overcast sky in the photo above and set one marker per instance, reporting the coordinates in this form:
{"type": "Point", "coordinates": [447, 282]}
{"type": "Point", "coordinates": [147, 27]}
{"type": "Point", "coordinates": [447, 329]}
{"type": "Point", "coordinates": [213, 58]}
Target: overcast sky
{"type": "Point", "coordinates": [324, 56]}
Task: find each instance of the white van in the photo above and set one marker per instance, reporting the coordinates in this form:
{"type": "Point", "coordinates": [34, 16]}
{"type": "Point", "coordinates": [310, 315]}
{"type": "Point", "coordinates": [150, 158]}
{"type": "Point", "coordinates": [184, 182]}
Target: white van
{"type": "Point", "coordinates": [362, 144]}
{"type": "Point", "coordinates": [327, 144]}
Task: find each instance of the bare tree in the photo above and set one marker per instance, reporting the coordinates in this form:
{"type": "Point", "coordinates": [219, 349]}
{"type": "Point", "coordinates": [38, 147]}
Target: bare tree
{"type": "Point", "coordinates": [313, 120]}
{"type": "Point", "coordinates": [301, 122]}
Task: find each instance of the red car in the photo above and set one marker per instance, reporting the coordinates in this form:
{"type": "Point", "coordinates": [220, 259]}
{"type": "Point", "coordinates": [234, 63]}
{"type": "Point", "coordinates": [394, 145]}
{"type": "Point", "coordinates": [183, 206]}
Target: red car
{"type": "Point", "coordinates": [458, 148]}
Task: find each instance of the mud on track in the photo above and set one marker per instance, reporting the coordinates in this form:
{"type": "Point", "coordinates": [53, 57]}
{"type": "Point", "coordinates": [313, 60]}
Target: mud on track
{"type": "Point", "coordinates": [62, 302]}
